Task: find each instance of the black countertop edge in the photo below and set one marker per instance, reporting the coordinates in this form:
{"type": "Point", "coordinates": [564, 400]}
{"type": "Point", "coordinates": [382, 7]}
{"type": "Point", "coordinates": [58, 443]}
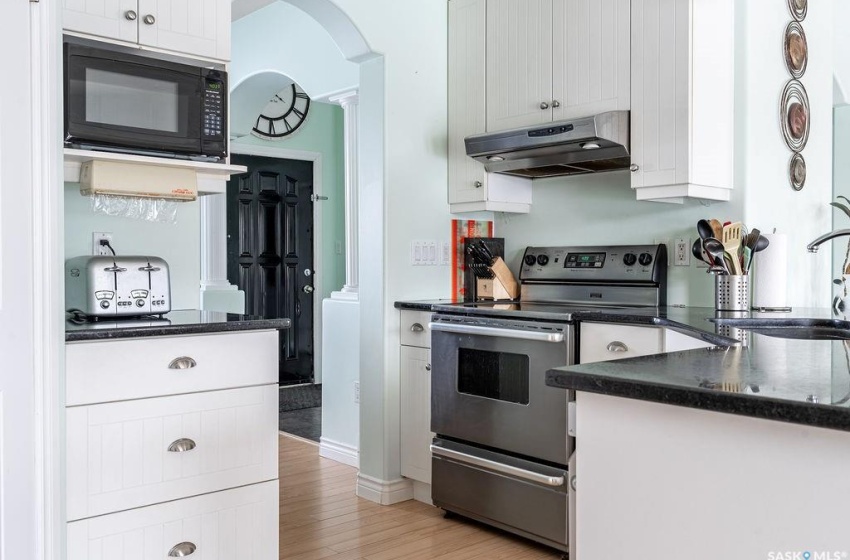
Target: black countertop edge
{"type": "Point", "coordinates": [765, 408]}
{"type": "Point", "coordinates": [227, 323]}
{"type": "Point", "coordinates": [688, 330]}
{"type": "Point", "coordinates": [424, 305]}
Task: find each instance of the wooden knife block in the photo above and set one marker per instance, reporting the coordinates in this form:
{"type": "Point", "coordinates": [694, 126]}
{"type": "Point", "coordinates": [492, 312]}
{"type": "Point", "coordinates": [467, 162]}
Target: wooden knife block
{"type": "Point", "coordinates": [502, 286]}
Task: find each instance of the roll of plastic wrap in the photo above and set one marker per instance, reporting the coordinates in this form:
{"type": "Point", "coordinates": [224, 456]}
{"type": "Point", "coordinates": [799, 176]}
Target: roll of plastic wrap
{"type": "Point", "coordinates": [770, 269]}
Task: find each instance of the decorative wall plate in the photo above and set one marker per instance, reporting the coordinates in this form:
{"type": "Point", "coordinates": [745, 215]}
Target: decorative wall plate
{"type": "Point", "coordinates": [798, 9]}
{"type": "Point", "coordinates": [797, 172]}
{"type": "Point", "coordinates": [796, 49]}
{"type": "Point", "coordinates": [794, 115]}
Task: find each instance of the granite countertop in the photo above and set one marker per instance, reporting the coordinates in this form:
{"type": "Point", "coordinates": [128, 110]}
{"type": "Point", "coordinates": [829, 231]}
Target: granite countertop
{"type": "Point", "coordinates": [422, 305]}
{"type": "Point", "coordinates": [798, 381]}
{"type": "Point", "coordinates": [184, 321]}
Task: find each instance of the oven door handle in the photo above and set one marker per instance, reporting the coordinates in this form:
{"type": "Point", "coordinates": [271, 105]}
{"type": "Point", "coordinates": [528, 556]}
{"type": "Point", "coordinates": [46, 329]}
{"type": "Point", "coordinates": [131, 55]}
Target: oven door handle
{"type": "Point", "coordinates": [495, 331]}
{"type": "Point", "coordinates": [516, 472]}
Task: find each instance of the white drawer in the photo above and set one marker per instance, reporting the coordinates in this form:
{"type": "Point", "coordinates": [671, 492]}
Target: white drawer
{"type": "Point", "coordinates": [414, 328]}
{"type": "Point", "coordinates": [118, 455]}
{"type": "Point", "coordinates": [602, 342]}
{"type": "Point", "coordinates": [117, 370]}
{"type": "Point", "coordinates": [235, 524]}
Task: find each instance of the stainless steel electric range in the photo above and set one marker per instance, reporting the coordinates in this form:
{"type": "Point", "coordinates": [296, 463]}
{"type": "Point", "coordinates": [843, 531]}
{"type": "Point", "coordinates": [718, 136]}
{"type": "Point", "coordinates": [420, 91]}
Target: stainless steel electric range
{"type": "Point", "coordinates": [502, 453]}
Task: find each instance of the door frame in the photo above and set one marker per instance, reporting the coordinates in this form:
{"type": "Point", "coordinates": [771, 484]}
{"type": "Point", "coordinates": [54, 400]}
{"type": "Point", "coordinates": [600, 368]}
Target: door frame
{"type": "Point", "coordinates": [316, 159]}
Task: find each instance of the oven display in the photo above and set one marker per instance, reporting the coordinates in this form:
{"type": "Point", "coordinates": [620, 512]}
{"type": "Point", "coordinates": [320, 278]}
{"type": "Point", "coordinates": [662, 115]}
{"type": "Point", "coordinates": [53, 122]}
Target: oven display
{"type": "Point", "coordinates": [584, 260]}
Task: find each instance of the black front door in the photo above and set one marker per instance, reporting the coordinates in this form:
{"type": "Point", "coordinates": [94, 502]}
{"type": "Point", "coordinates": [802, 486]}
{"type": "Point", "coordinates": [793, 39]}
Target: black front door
{"type": "Point", "coordinates": [270, 252]}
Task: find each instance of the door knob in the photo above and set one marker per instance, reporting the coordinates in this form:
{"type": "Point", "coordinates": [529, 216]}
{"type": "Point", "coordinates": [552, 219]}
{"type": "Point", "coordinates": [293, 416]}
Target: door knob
{"type": "Point", "coordinates": [308, 289]}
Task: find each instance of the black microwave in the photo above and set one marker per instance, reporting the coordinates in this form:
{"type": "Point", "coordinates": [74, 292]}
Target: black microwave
{"type": "Point", "coordinates": [116, 101]}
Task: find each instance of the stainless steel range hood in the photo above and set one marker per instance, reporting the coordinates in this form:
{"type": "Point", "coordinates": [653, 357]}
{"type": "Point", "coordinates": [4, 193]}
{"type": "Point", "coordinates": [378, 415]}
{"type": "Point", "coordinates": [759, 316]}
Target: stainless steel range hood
{"type": "Point", "coordinates": [568, 147]}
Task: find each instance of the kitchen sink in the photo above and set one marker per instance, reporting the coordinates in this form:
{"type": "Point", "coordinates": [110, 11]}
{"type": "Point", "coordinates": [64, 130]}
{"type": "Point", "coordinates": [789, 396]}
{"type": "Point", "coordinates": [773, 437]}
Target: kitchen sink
{"type": "Point", "coordinates": [807, 329]}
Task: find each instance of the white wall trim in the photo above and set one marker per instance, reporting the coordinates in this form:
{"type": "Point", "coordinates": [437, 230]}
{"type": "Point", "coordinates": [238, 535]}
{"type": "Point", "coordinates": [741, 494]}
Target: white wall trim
{"type": "Point", "coordinates": [48, 251]}
{"type": "Point", "coordinates": [339, 452]}
{"type": "Point", "coordinates": [318, 232]}
{"type": "Point", "coordinates": [384, 492]}
{"type": "Point", "coordinates": [349, 101]}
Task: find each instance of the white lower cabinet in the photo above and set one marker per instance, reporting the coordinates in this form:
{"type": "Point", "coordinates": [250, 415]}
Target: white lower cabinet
{"type": "Point", "coordinates": [416, 433]}
{"type": "Point", "coordinates": [238, 524]}
{"type": "Point", "coordinates": [177, 454]}
{"type": "Point", "coordinates": [601, 342]}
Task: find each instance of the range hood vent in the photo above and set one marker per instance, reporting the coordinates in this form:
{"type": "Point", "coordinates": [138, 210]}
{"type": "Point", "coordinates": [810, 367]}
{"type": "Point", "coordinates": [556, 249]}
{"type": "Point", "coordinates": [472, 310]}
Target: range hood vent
{"type": "Point", "coordinates": [569, 147]}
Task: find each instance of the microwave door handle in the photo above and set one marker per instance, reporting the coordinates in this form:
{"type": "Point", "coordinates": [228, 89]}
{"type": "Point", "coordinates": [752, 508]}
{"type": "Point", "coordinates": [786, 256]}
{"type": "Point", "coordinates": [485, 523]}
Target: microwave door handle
{"type": "Point", "coordinates": [495, 466]}
{"type": "Point", "coordinates": [536, 336]}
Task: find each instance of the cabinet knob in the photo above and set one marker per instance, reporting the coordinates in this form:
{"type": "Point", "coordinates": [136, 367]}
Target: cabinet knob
{"type": "Point", "coordinates": [182, 550]}
{"type": "Point", "coordinates": [544, 105]}
{"type": "Point", "coordinates": [181, 445]}
{"type": "Point", "coordinates": [617, 346]}
{"type": "Point", "coordinates": [149, 19]}
{"type": "Point", "coordinates": [478, 184]}
{"type": "Point", "coordinates": [634, 168]}
{"type": "Point", "coordinates": [427, 367]}
{"type": "Point", "coordinates": [416, 327]}
{"type": "Point", "coordinates": [130, 15]}
{"type": "Point", "coordinates": [183, 362]}
{"type": "Point", "coordinates": [556, 103]}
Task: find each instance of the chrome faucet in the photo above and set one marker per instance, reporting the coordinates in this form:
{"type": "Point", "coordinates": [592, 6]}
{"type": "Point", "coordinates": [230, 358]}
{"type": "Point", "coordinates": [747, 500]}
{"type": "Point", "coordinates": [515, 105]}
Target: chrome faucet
{"type": "Point", "coordinates": [813, 246]}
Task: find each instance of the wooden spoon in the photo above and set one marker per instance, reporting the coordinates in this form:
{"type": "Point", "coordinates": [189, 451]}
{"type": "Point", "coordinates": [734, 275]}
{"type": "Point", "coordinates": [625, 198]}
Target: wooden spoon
{"type": "Point", "coordinates": [716, 228]}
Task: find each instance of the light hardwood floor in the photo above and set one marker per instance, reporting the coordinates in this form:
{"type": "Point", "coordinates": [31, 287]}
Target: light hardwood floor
{"type": "Point", "coordinates": [320, 517]}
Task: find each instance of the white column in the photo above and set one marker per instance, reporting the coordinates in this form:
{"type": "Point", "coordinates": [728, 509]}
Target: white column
{"type": "Point", "coordinates": [348, 101]}
{"type": "Point", "coordinates": [217, 294]}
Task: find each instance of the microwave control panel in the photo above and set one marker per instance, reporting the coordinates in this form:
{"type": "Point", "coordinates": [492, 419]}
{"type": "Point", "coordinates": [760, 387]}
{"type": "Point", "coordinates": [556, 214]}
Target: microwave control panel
{"type": "Point", "coordinates": [213, 113]}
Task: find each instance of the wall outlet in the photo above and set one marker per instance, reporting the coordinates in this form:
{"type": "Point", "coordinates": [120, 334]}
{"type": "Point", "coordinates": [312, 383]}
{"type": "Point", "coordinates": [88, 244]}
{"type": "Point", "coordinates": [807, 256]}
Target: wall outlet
{"type": "Point", "coordinates": [96, 247]}
{"type": "Point", "coordinates": [445, 253]}
{"type": "Point", "coordinates": [682, 252]}
{"type": "Point", "coordinates": [356, 392]}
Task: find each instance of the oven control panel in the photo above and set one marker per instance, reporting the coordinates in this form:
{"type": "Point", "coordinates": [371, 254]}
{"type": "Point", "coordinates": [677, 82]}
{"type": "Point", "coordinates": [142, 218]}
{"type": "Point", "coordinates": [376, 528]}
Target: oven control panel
{"type": "Point", "coordinates": [613, 263]}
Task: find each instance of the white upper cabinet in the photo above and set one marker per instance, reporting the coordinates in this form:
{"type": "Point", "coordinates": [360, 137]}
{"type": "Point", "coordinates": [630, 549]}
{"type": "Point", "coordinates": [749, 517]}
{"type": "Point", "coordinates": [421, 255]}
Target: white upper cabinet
{"type": "Point", "coordinates": [189, 27]}
{"type": "Point", "coordinates": [519, 63]}
{"type": "Point", "coordinates": [682, 109]}
{"type": "Point", "coordinates": [591, 67]}
{"type": "Point", "coordinates": [555, 59]}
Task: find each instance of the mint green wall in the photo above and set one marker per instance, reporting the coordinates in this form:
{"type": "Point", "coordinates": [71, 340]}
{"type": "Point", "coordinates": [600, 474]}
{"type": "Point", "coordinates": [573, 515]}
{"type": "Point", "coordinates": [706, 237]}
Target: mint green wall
{"type": "Point", "coordinates": [322, 132]}
{"type": "Point", "coordinates": [179, 243]}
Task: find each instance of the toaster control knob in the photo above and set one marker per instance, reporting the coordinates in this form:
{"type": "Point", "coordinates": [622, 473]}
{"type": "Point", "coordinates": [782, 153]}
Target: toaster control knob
{"type": "Point", "coordinates": [530, 260]}
{"type": "Point", "coordinates": [104, 304]}
{"type": "Point", "coordinates": [629, 259]}
{"type": "Point", "coordinates": [644, 259]}
{"type": "Point", "coordinates": [542, 260]}
{"type": "Point", "coordinates": [140, 303]}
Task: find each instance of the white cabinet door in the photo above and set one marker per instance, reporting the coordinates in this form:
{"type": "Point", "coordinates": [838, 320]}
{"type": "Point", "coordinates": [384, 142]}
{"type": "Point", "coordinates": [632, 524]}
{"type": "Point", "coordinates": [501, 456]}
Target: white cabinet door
{"type": "Point", "coordinates": [591, 64]}
{"type": "Point", "coordinates": [415, 389]}
{"type": "Point", "coordinates": [467, 98]}
{"type": "Point", "coordinates": [235, 524]}
{"type": "Point", "coordinates": [112, 19]}
{"type": "Point", "coordinates": [519, 63]}
{"type": "Point", "coordinates": [195, 27]}
{"type": "Point", "coordinates": [119, 454]}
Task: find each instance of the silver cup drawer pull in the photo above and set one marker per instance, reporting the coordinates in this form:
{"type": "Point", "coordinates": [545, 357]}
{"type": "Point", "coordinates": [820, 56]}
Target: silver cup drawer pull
{"type": "Point", "coordinates": [416, 327]}
{"type": "Point", "coordinates": [617, 346]}
{"type": "Point", "coordinates": [182, 445]}
{"type": "Point", "coordinates": [183, 362]}
{"type": "Point", "coordinates": [182, 550]}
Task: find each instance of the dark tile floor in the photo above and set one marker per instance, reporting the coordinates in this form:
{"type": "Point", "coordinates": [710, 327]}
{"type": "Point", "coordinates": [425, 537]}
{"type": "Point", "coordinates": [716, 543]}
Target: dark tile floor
{"type": "Point", "coordinates": [305, 422]}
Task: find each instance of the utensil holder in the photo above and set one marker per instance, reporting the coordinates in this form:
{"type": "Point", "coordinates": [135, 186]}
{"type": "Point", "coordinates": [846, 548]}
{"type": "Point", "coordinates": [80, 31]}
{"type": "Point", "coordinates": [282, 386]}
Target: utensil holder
{"type": "Point", "coordinates": [731, 292]}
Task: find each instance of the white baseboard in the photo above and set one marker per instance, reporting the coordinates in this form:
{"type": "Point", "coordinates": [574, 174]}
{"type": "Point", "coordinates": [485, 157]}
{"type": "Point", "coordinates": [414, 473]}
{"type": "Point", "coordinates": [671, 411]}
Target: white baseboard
{"type": "Point", "coordinates": [384, 492]}
{"type": "Point", "coordinates": [422, 492]}
{"type": "Point", "coordinates": [339, 452]}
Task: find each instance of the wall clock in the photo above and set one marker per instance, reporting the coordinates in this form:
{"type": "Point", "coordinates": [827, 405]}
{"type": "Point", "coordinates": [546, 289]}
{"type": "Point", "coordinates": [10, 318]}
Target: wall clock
{"type": "Point", "coordinates": [283, 114]}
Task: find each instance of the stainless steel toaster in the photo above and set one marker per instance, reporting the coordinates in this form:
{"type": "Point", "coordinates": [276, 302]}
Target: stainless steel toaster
{"type": "Point", "coordinates": [107, 286]}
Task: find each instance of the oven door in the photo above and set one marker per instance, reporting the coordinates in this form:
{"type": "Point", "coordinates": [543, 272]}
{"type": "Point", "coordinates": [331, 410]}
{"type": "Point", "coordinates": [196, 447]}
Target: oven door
{"type": "Point", "coordinates": [488, 384]}
{"type": "Point", "coordinates": [132, 102]}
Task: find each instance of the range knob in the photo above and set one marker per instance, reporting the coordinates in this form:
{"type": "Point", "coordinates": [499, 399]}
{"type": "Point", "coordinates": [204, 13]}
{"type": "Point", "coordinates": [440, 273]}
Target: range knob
{"type": "Point", "coordinates": [104, 304]}
{"type": "Point", "coordinates": [629, 259]}
{"type": "Point", "coordinates": [542, 260]}
{"type": "Point", "coordinates": [530, 260]}
{"type": "Point", "coordinates": [644, 259]}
